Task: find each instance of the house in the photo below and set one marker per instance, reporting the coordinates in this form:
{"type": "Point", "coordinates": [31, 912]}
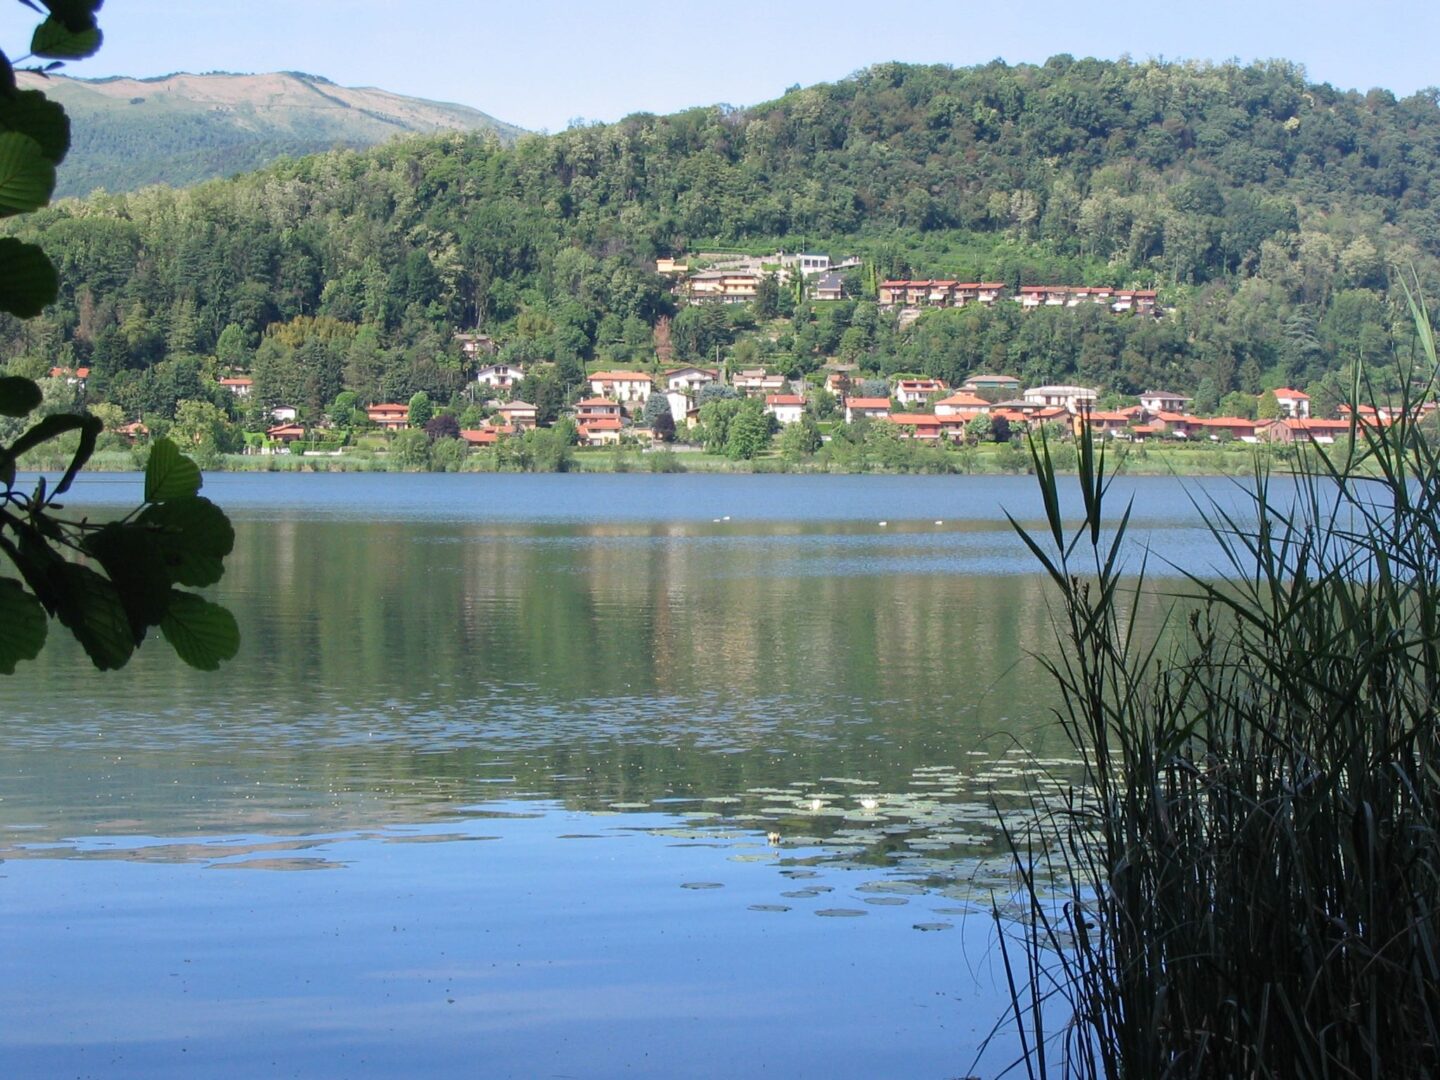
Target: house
{"type": "Point", "coordinates": [670, 266]}
{"type": "Point", "coordinates": [828, 286]}
{"type": "Point", "coordinates": [602, 431]}
{"type": "Point", "coordinates": [962, 403]}
{"type": "Point", "coordinates": [1158, 401]}
{"type": "Point", "coordinates": [133, 431]}
{"type": "Point", "coordinates": [284, 414]}
{"type": "Point", "coordinates": [807, 263]}
{"type": "Point", "coordinates": [596, 409]}
{"type": "Point", "coordinates": [473, 345]}
{"type": "Point", "coordinates": [72, 376]}
{"type": "Point", "coordinates": [239, 385]}
{"type": "Point", "coordinates": [285, 433]}
{"type": "Point", "coordinates": [1141, 301]}
{"type": "Point", "coordinates": [389, 416]}
{"type": "Point", "coordinates": [920, 426]}
{"type": "Point", "coordinates": [1293, 404]}
{"type": "Point", "coordinates": [938, 293]}
{"type": "Point", "coordinates": [918, 391]}
{"type": "Point", "coordinates": [723, 286]}
{"type": "Point", "coordinates": [519, 413]}
{"type": "Point", "coordinates": [786, 408]}
{"type": "Point", "coordinates": [1291, 430]}
{"type": "Point", "coordinates": [1073, 398]}
{"type": "Point", "coordinates": [876, 408]}
{"type": "Point", "coordinates": [622, 386]}
{"type": "Point", "coordinates": [499, 376]}
{"type": "Point", "coordinates": [486, 436]}
{"type": "Point", "coordinates": [1100, 423]}
{"type": "Point", "coordinates": [689, 379]}
{"type": "Point", "coordinates": [759, 381]}
{"type": "Point", "coordinates": [1000, 385]}
{"type": "Point", "coordinates": [1217, 427]}
{"type": "Point", "coordinates": [679, 406]}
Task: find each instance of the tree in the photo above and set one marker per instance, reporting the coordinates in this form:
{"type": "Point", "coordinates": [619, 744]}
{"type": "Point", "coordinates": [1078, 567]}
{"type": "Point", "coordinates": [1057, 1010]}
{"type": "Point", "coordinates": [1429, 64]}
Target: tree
{"type": "Point", "coordinates": [800, 438]}
{"type": "Point", "coordinates": [443, 426]}
{"type": "Point", "coordinates": [980, 428]}
{"type": "Point", "coordinates": [176, 537]}
{"type": "Point", "coordinates": [749, 433]}
{"type": "Point", "coordinates": [656, 406]}
{"type": "Point", "coordinates": [663, 427]}
{"type": "Point", "coordinates": [420, 409]}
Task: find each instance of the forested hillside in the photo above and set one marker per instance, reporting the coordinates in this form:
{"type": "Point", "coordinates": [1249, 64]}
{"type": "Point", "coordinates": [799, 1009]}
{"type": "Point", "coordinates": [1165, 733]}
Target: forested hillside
{"type": "Point", "coordinates": [1273, 215]}
{"type": "Point", "coordinates": [182, 129]}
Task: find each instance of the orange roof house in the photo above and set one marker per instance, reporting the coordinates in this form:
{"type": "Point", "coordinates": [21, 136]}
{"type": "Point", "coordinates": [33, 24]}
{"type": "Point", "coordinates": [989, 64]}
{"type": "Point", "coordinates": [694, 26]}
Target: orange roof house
{"type": "Point", "coordinates": [389, 415]}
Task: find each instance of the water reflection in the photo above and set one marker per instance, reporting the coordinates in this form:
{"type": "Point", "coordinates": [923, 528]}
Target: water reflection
{"type": "Point", "coordinates": [790, 746]}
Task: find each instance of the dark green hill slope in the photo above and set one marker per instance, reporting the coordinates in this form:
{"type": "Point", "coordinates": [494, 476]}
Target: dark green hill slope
{"type": "Point", "coordinates": [182, 129]}
{"type": "Point", "coordinates": [1271, 213]}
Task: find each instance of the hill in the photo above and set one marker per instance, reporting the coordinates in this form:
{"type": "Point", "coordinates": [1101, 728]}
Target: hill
{"type": "Point", "coordinates": [1273, 215]}
{"type": "Point", "coordinates": [182, 129]}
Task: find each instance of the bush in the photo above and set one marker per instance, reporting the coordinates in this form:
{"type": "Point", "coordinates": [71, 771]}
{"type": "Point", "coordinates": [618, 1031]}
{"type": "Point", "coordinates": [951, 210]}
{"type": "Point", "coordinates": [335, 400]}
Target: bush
{"type": "Point", "coordinates": [1247, 882]}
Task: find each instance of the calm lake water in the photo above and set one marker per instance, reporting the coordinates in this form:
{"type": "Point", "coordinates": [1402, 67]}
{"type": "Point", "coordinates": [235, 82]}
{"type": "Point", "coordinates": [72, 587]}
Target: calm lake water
{"type": "Point", "coordinates": [546, 776]}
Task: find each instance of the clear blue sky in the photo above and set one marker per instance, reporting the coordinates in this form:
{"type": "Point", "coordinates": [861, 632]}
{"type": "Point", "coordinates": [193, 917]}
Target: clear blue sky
{"type": "Point", "coordinates": [541, 63]}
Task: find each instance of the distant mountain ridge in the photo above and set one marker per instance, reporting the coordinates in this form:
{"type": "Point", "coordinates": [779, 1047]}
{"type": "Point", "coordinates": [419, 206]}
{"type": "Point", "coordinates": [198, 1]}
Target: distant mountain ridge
{"type": "Point", "coordinates": [182, 129]}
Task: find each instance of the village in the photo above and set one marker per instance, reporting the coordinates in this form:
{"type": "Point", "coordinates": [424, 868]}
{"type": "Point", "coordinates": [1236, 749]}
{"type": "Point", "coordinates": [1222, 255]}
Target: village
{"type": "Point", "coordinates": [921, 409]}
{"type": "Point", "coordinates": [619, 407]}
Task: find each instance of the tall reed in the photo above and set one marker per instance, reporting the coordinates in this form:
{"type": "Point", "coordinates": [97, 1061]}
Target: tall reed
{"type": "Point", "coordinates": [1246, 880]}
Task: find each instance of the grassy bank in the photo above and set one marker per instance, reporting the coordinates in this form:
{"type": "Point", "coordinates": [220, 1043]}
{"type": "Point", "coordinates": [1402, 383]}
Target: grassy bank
{"type": "Point", "coordinates": [1234, 459]}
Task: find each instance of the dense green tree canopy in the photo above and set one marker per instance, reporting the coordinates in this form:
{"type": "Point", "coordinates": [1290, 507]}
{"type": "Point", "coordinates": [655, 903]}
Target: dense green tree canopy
{"type": "Point", "coordinates": [1268, 210]}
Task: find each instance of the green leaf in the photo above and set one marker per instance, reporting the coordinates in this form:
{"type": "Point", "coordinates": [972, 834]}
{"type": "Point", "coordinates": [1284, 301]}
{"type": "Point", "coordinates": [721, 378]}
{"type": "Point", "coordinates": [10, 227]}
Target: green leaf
{"type": "Point", "coordinates": [18, 397]}
{"type": "Point", "coordinates": [28, 282]}
{"type": "Point", "coordinates": [7, 75]}
{"type": "Point", "coordinates": [30, 112]}
{"type": "Point", "coordinates": [203, 634]}
{"type": "Point", "coordinates": [90, 608]}
{"type": "Point", "coordinates": [58, 41]}
{"type": "Point", "coordinates": [27, 177]}
{"type": "Point", "coordinates": [169, 474]}
{"type": "Point", "coordinates": [137, 568]}
{"type": "Point", "coordinates": [76, 14]}
{"type": "Point", "coordinates": [22, 625]}
{"type": "Point", "coordinates": [193, 536]}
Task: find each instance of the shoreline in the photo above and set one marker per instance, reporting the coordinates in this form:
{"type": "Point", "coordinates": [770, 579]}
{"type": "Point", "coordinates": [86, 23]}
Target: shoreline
{"type": "Point", "coordinates": [1000, 460]}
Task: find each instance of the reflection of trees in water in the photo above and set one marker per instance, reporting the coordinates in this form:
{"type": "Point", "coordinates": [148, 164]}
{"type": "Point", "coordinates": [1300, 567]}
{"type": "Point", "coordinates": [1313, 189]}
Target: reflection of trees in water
{"type": "Point", "coordinates": [401, 669]}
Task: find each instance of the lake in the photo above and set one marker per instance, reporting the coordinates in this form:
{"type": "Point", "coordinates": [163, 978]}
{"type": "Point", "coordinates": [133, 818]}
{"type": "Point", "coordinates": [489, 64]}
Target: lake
{"type": "Point", "coordinates": [527, 776]}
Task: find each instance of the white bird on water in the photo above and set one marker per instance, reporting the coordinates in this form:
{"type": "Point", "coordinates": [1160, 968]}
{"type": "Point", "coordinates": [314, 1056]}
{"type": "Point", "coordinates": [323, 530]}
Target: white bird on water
{"type": "Point", "coordinates": [883, 524]}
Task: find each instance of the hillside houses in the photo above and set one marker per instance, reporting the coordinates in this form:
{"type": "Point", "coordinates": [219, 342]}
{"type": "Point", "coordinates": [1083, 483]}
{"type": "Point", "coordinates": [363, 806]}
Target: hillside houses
{"type": "Point", "coordinates": [1140, 301]}
{"type": "Point", "coordinates": [723, 286]}
{"type": "Point", "coordinates": [938, 293]}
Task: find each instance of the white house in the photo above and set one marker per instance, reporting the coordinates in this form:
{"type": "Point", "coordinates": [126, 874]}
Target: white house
{"type": "Point", "coordinates": [873, 407]}
{"type": "Point", "coordinates": [689, 379]}
{"type": "Point", "coordinates": [284, 414]}
{"type": "Point", "coordinates": [679, 406]}
{"type": "Point", "coordinates": [1073, 398]}
{"type": "Point", "coordinates": [499, 376]}
{"type": "Point", "coordinates": [918, 391]}
{"type": "Point", "coordinates": [1158, 401]}
{"type": "Point", "coordinates": [1293, 404]}
{"type": "Point", "coordinates": [758, 381]}
{"type": "Point", "coordinates": [786, 408]}
{"type": "Point", "coordinates": [622, 386]}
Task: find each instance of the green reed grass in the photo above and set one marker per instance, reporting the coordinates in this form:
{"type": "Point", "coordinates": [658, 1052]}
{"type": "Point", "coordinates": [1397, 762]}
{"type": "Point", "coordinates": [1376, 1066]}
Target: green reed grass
{"type": "Point", "coordinates": [1246, 883]}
